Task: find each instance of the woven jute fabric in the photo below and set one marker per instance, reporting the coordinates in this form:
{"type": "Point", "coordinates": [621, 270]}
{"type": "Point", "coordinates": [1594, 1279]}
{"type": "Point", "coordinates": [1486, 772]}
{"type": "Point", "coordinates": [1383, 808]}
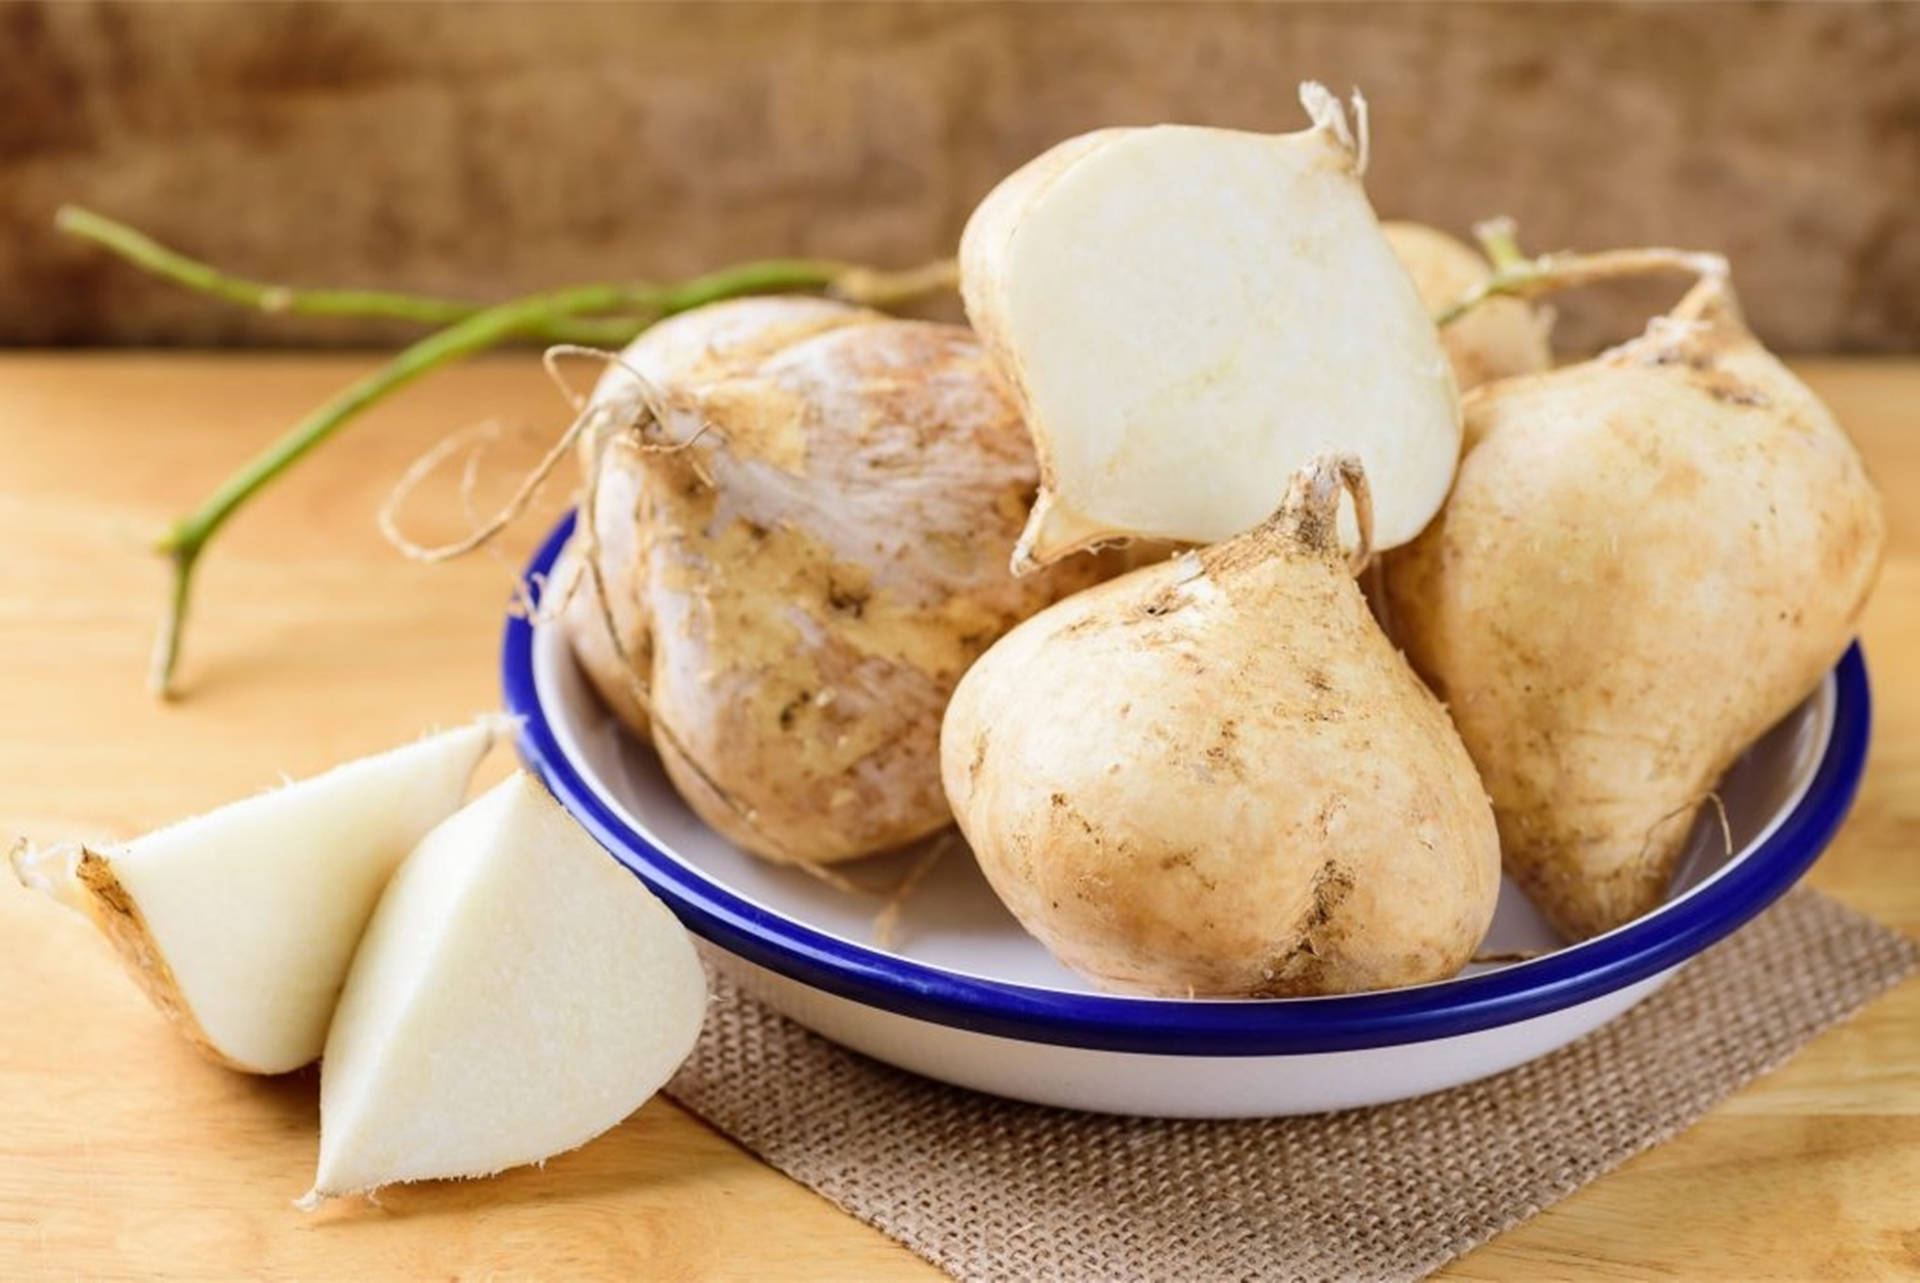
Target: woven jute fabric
{"type": "Point", "coordinates": [989, 1189]}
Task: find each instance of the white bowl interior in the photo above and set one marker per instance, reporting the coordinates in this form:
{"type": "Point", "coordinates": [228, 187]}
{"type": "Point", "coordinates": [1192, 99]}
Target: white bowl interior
{"type": "Point", "coordinates": [954, 921]}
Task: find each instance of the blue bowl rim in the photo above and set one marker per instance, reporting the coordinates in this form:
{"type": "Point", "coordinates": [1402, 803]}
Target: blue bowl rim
{"type": "Point", "coordinates": [1661, 940]}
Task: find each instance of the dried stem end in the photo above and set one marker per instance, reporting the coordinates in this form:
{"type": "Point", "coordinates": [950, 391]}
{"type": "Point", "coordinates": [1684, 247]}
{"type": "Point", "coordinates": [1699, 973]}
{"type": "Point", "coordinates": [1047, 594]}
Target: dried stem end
{"type": "Point", "coordinates": [1309, 515]}
{"type": "Point", "coordinates": [1328, 113]}
{"type": "Point", "coordinates": [1308, 518]}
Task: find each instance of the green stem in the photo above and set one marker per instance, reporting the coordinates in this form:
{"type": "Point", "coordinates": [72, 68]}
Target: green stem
{"type": "Point", "coordinates": [563, 316]}
{"type": "Point", "coordinates": [1530, 278]}
{"type": "Point", "coordinates": [1500, 238]}
{"type": "Point", "coordinates": [184, 543]}
{"type": "Point", "coordinates": [188, 537]}
{"type": "Point", "coordinates": [845, 280]}
{"type": "Point", "coordinates": [144, 252]}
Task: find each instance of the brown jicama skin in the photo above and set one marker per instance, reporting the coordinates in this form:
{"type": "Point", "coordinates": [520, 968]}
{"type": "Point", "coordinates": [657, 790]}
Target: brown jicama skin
{"type": "Point", "coordinates": [801, 554]}
{"type": "Point", "coordinates": [1647, 559]}
{"type": "Point", "coordinates": [1498, 339]}
{"type": "Point", "coordinates": [1216, 777]}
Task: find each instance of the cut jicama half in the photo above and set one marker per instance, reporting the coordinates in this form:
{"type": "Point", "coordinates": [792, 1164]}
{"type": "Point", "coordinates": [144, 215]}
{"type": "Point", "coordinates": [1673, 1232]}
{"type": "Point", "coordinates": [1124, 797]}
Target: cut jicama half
{"type": "Point", "coordinates": [516, 994]}
{"type": "Point", "coordinates": [1189, 315]}
{"type": "Point", "coordinates": [240, 924]}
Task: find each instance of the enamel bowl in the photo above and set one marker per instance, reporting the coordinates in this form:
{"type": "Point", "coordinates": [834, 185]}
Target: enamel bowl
{"type": "Point", "coordinates": [964, 995]}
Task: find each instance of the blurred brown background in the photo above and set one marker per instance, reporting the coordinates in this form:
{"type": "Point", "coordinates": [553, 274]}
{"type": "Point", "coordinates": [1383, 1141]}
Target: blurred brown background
{"type": "Point", "coordinates": [491, 149]}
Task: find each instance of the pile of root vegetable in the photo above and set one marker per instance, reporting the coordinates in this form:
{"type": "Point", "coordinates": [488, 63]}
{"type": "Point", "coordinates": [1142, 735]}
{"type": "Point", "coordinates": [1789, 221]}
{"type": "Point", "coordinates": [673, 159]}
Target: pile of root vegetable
{"type": "Point", "coordinates": [1246, 584]}
{"type": "Point", "coordinates": [842, 569]}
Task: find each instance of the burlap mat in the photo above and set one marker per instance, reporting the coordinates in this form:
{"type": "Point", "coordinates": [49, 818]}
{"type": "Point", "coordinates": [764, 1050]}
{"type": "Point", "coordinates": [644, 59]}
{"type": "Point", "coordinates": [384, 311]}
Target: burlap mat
{"type": "Point", "coordinates": [990, 1189]}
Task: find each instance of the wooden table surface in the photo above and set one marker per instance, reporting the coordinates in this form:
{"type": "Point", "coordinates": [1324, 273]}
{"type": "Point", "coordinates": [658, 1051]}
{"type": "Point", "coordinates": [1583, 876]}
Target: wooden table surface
{"type": "Point", "coordinates": [122, 1153]}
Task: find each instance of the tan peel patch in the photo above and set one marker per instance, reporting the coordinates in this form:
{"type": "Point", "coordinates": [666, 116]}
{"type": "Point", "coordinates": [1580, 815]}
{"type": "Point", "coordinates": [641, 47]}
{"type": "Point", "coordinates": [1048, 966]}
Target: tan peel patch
{"type": "Point", "coordinates": [764, 420]}
{"type": "Point", "coordinates": [120, 920]}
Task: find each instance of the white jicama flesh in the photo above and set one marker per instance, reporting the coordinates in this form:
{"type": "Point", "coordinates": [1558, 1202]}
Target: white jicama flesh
{"type": "Point", "coordinates": [240, 924]}
{"type": "Point", "coordinates": [517, 993]}
{"type": "Point", "coordinates": [1190, 314]}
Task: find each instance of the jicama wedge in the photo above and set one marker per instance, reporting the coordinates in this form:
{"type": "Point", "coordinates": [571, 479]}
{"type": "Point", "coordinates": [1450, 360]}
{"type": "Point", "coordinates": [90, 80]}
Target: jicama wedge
{"type": "Point", "coordinates": [240, 923]}
{"type": "Point", "coordinates": [1188, 315]}
{"type": "Point", "coordinates": [517, 994]}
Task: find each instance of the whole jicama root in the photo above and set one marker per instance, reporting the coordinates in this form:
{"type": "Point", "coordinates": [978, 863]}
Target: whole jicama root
{"type": "Point", "coordinates": [1647, 559]}
{"type": "Point", "coordinates": [1496, 340]}
{"type": "Point", "coordinates": [801, 541]}
{"type": "Point", "coordinates": [1216, 777]}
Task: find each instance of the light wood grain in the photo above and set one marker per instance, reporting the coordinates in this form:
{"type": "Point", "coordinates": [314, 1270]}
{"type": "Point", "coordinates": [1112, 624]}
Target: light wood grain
{"type": "Point", "coordinates": [122, 1153]}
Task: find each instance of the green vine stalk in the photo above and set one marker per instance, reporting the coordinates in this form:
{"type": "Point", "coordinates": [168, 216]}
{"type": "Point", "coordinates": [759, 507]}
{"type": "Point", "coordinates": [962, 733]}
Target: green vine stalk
{"type": "Point", "coordinates": [605, 314]}
{"type": "Point", "coordinates": [1517, 276]}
